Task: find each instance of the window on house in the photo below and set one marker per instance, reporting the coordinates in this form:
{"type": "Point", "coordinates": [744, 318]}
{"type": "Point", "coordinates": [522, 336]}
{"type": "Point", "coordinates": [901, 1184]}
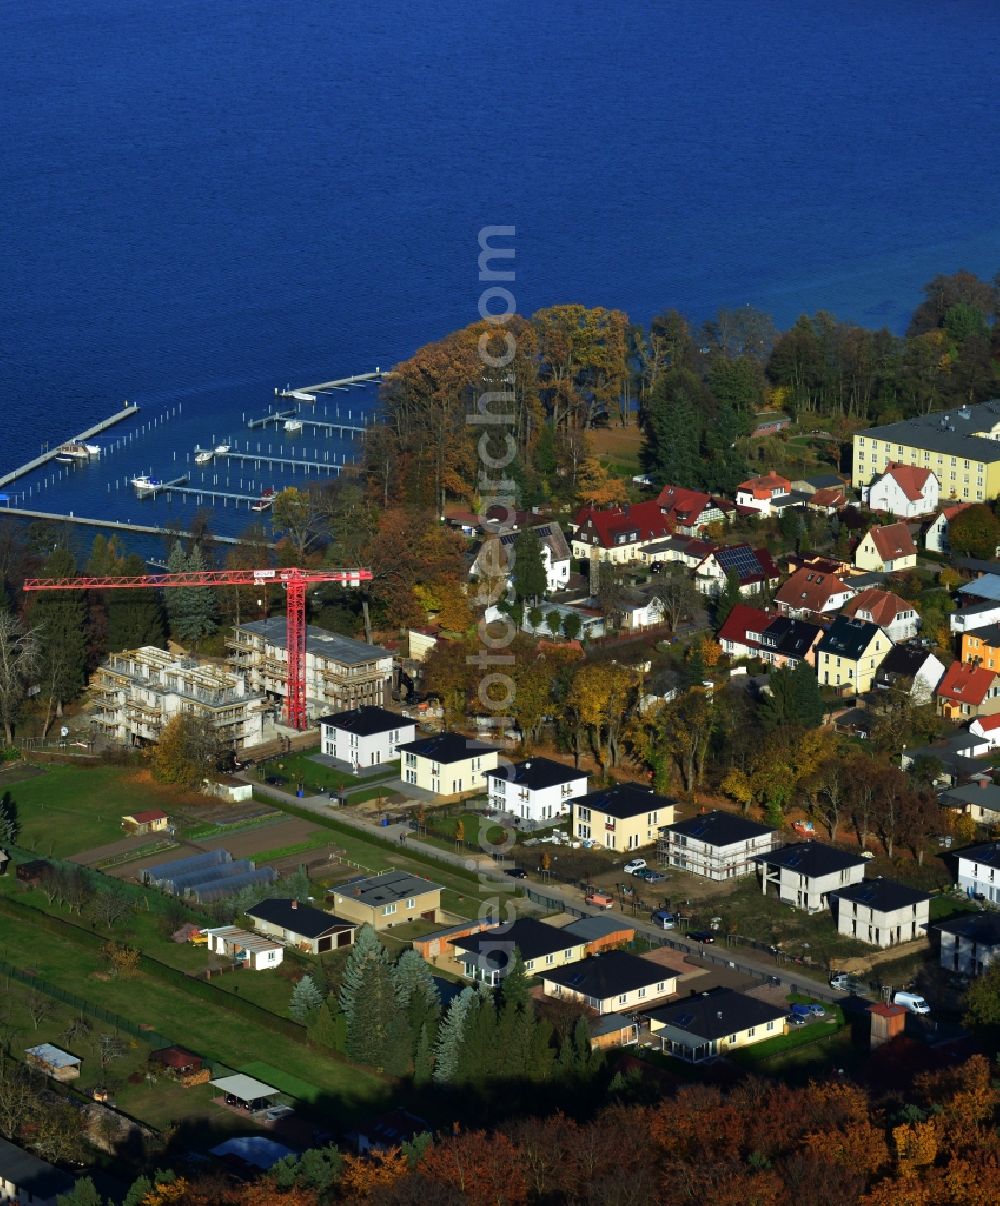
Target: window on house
{"type": "Point", "coordinates": [549, 960]}
{"type": "Point", "coordinates": [388, 909]}
{"type": "Point", "coordinates": [411, 902]}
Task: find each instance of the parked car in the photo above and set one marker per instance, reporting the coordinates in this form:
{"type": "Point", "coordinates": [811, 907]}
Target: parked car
{"type": "Point", "coordinates": [912, 1001]}
{"type": "Point", "coordinates": [633, 865]}
{"type": "Point", "coordinates": [841, 981]}
{"type": "Point", "coordinates": [599, 899]}
{"type": "Point", "coordinates": [516, 873]}
{"type": "Point", "coordinates": [651, 876]}
{"type": "Point", "coordinates": [796, 1019]}
{"type": "Point", "coordinates": [817, 1010]}
{"type": "Point", "coordinates": [662, 918]}
{"type": "Point", "coordinates": [701, 935]}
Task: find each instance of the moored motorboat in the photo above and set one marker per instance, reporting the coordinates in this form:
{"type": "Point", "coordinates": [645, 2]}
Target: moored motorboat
{"type": "Point", "coordinates": [265, 500]}
{"type": "Point", "coordinates": [202, 456]}
{"type": "Point", "coordinates": [293, 425]}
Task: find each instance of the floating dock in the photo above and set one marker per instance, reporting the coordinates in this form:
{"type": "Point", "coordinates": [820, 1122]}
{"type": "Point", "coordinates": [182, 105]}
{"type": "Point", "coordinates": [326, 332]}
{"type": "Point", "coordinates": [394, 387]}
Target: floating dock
{"type": "Point", "coordinates": [127, 411]}
{"type": "Point", "coordinates": [281, 416]}
{"type": "Point", "coordinates": [265, 458]}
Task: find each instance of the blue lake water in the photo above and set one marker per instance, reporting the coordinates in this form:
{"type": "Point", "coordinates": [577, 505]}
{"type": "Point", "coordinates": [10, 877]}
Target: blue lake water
{"type": "Point", "coordinates": [206, 200]}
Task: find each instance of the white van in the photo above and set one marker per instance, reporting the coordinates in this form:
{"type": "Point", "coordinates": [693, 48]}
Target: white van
{"type": "Point", "coordinates": [912, 1001]}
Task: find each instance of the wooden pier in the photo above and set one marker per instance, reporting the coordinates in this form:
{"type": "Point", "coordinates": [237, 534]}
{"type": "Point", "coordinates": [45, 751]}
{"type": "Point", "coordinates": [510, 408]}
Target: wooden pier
{"type": "Point", "coordinates": [117, 524]}
{"type": "Point", "coordinates": [265, 458]}
{"type": "Point", "coordinates": [326, 387]}
{"type": "Point", "coordinates": [327, 425]}
{"type": "Point", "coordinates": [155, 488]}
{"type": "Point", "coordinates": [127, 411]}
{"type": "Point", "coordinates": [275, 417]}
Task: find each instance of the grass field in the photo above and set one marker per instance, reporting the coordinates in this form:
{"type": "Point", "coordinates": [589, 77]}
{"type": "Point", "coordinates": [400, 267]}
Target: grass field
{"type": "Point", "coordinates": [301, 767]}
{"type": "Point", "coordinates": [66, 809]}
{"type": "Point", "coordinates": [203, 1026]}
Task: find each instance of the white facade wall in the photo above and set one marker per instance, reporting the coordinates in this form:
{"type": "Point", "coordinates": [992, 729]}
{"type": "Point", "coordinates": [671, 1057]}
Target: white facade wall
{"type": "Point", "coordinates": [715, 862]}
{"type": "Point", "coordinates": [810, 892]}
{"type": "Point", "coordinates": [886, 494]}
{"type": "Point", "coordinates": [878, 928]}
{"type": "Point", "coordinates": [977, 879]}
{"type": "Point", "coordinates": [636, 999]}
{"type": "Point", "coordinates": [366, 750]}
{"type": "Point", "coordinates": [541, 804]}
{"type": "Point", "coordinates": [961, 954]}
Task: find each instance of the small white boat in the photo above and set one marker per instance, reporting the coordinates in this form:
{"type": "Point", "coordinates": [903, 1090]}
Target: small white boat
{"type": "Point", "coordinates": [300, 395]}
{"type": "Point", "coordinates": [202, 456]}
{"type": "Point", "coordinates": [293, 425]}
{"type": "Point", "coordinates": [221, 449]}
{"type": "Point", "coordinates": [144, 484]}
{"type": "Point", "coordinates": [93, 449]}
{"type": "Point", "coordinates": [73, 450]}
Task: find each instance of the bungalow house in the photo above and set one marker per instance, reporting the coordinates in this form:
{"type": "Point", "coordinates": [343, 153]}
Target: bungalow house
{"type": "Point", "coordinates": [364, 736]}
{"type": "Point", "coordinates": [26, 1179]}
{"type": "Point", "coordinates": [537, 790]}
{"type": "Point", "coordinates": [756, 495]}
{"type": "Point", "coordinates": [53, 1061]}
{"type": "Point", "coordinates": [849, 654]}
{"type": "Point", "coordinates": [981, 647]}
{"type": "Point", "coordinates": [970, 943]}
{"type": "Point", "coordinates": [493, 560]}
{"type": "Point", "coordinates": [718, 845]}
{"type": "Point", "coordinates": [610, 983]}
{"type": "Point", "coordinates": [936, 537]}
{"type": "Point", "coordinates": [886, 550]}
{"type": "Point", "coordinates": [979, 872]}
{"type": "Point", "coordinates": [881, 912]}
{"type": "Point", "coordinates": [640, 608]}
{"type": "Point", "coordinates": [151, 820]}
{"type": "Point", "coordinates": [979, 799]}
{"type": "Point", "coordinates": [388, 899]}
{"type": "Point", "coordinates": [754, 570]}
{"type": "Point", "coordinates": [966, 690]}
{"type": "Point", "coordinates": [807, 872]}
{"type": "Point", "coordinates": [691, 511]}
{"type": "Point", "coordinates": [301, 926]}
{"type": "Point", "coordinates": [742, 630]}
{"type": "Point", "coordinates": [912, 669]}
{"type": "Point", "coordinates": [828, 500]}
{"type": "Point", "coordinates": [897, 617]}
{"type": "Point", "coordinates": [903, 490]}
{"type": "Point", "coordinates": [786, 642]}
{"type": "Point", "coordinates": [487, 955]}
{"type": "Point", "coordinates": [708, 1024]}
{"type": "Point", "coordinates": [615, 533]}
{"type": "Point", "coordinates": [245, 949]}
{"type": "Point", "coordinates": [810, 592]}
{"type": "Point", "coordinates": [622, 818]}
{"type": "Point", "coordinates": [447, 763]}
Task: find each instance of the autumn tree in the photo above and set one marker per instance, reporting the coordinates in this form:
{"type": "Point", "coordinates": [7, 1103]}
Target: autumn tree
{"type": "Point", "coordinates": [301, 519]}
{"type": "Point", "coordinates": [188, 750]}
{"type": "Point", "coordinates": [975, 532]}
{"type": "Point", "coordinates": [600, 699]}
{"type": "Point", "coordinates": [20, 653]}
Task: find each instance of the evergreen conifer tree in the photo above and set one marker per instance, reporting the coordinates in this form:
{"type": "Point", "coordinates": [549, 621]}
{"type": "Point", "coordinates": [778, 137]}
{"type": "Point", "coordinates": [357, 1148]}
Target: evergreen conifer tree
{"type": "Point", "coordinates": [528, 571]}
{"type": "Point", "coordinates": [306, 1000]}
{"type": "Point", "coordinates": [366, 948]}
{"type": "Point", "coordinates": [450, 1037]}
{"type": "Point", "coordinates": [423, 1057]}
{"type": "Point", "coordinates": [728, 597]}
{"type": "Point", "coordinates": [61, 618]}
{"type": "Point", "coordinates": [191, 609]}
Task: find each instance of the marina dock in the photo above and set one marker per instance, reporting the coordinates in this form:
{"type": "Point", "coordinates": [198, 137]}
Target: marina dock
{"type": "Point", "coordinates": [306, 393]}
{"type": "Point", "coordinates": [327, 425]}
{"type": "Point", "coordinates": [265, 458]}
{"type": "Point", "coordinates": [127, 411]}
{"type": "Point", "coordinates": [116, 524]}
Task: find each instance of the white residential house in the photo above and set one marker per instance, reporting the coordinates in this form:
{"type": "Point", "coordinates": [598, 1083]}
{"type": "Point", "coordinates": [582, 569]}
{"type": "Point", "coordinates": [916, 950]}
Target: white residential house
{"type": "Point", "coordinates": [936, 539]}
{"type": "Point", "coordinates": [912, 669]}
{"type": "Point", "coordinates": [988, 728]}
{"type": "Point", "coordinates": [757, 494]}
{"type": "Point", "coordinates": [28, 1181]}
{"type": "Point", "coordinates": [807, 872]}
{"type": "Point", "coordinates": [979, 872]}
{"type": "Point", "coordinates": [493, 558]}
{"type": "Point", "coordinates": [897, 617]}
{"type": "Point", "coordinates": [970, 943]}
{"type": "Point", "coordinates": [447, 764]}
{"type": "Point", "coordinates": [248, 950]}
{"type": "Point", "coordinates": [718, 845]}
{"type": "Point", "coordinates": [365, 736]}
{"type": "Point", "coordinates": [903, 490]}
{"type": "Point", "coordinates": [881, 912]}
{"type": "Point", "coordinates": [536, 791]}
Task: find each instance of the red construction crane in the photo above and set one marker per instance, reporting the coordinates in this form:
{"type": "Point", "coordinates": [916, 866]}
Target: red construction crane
{"type": "Point", "coordinates": [294, 581]}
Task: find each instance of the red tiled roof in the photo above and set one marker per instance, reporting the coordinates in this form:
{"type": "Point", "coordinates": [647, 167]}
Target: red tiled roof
{"type": "Point", "coordinates": [965, 683]}
{"type": "Point", "coordinates": [765, 485]}
{"type": "Point", "coordinates": [950, 512]}
{"type": "Point", "coordinates": [910, 479]}
{"type": "Point", "coordinates": [988, 723]}
{"type": "Point", "coordinates": [646, 519]}
{"type": "Point", "coordinates": [893, 541]}
{"type": "Point", "coordinates": [829, 496]}
{"type": "Point", "coordinates": [743, 620]}
{"type": "Point", "coordinates": [811, 589]}
{"type": "Point", "coordinates": [882, 606]}
{"type": "Point", "coordinates": [151, 814]}
{"type": "Point", "coordinates": [685, 506]}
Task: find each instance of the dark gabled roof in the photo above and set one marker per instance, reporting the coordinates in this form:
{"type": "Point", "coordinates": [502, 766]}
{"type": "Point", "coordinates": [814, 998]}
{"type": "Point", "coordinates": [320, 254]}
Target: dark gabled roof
{"type": "Point", "coordinates": [988, 854]}
{"type": "Point", "coordinates": [31, 1175]}
{"type": "Point", "coordinates": [537, 773]}
{"type": "Point", "coordinates": [810, 859]}
{"type": "Point", "coordinates": [534, 939]}
{"type": "Point", "coordinates": [700, 1013]}
{"type": "Point", "coordinates": [791, 638]}
{"type": "Point", "coordinates": [718, 828]}
{"type": "Point", "coordinates": [903, 660]}
{"type": "Point", "coordinates": [624, 800]}
{"type": "Point", "coordinates": [847, 638]}
{"type": "Point", "coordinates": [447, 747]}
{"type": "Point", "coordinates": [366, 720]}
{"type": "Point", "coordinates": [981, 928]}
{"type": "Point", "coordinates": [299, 919]}
{"type": "Point", "coordinates": [590, 929]}
{"type": "Point", "coordinates": [387, 888]}
{"type": "Point", "coordinates": [609, 975]}
{"type": "Point", "coordinates": [985, 796]}
{"type": "Point", "coordinates": [884, 895]}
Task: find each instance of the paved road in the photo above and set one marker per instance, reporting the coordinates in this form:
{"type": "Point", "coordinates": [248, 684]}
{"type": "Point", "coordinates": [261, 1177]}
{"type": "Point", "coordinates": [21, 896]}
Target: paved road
{"type": "Point", "coordinates": [755, 963]}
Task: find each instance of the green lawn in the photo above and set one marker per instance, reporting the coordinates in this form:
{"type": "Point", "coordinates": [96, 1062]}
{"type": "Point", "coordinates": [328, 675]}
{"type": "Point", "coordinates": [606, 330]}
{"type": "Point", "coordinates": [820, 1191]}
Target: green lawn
{"type": "Point", "coordinates": [207, 1027]}
{"type": "Point", "coordinates": [72, 808]}
{"type": "Point", "coordinates": [302, 767]}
